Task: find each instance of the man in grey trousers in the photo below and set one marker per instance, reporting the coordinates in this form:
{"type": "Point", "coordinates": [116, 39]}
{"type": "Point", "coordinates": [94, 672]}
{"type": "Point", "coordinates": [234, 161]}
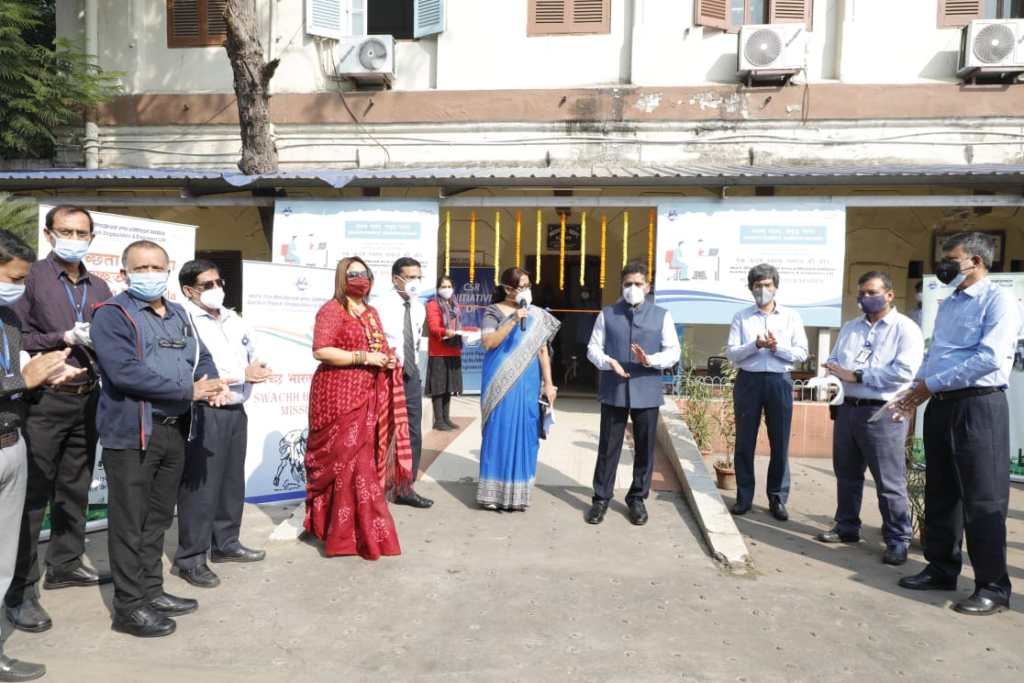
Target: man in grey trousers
{"type": "Point", "coordinates": [876, 356]}
{"type": "Point", "coordinates": [48, 368]}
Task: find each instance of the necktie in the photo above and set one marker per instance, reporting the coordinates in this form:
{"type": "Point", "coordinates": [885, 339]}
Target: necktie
{"type": "Point", "coordinates": [408, 347]}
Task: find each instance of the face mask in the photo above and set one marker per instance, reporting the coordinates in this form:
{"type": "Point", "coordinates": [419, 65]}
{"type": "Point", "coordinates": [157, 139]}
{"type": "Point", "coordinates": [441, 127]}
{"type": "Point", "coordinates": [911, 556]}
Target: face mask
{"type": "Point", "coordinates": [70, 251]}
{"type": "Point", "coordinates": [634, 296]}
{"type": "Point", "coordinates": [212, 298]}
{"type": "Point", "coordinates": [358, 287]}
{"type": "Point", "coordinates": [872, 304]}
{"type": "Point", "coordinates": [445, 293]}
{"type": "Point", "coordinates": [950, 273]}
{"type": "Point", "coordinates": [763, 296]}
{"type": "Point", "coordinates": [412, 287]}
{"type": "Point", "coordinates": [147, 286]}
{"type": "Point", "coordinates": [10, 292]}
{"type": "Point", "coordinates": [525, 297]}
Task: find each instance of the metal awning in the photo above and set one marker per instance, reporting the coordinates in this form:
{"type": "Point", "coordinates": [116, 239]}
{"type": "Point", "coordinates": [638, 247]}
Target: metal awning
{"type": "Point", "coordinates": [205, 182]}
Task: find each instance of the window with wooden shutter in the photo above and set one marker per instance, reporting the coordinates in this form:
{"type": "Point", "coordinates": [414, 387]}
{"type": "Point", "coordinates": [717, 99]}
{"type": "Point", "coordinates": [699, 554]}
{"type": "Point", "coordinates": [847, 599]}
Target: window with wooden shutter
{"type": "Point", "coordinates": [196, 23]}
{"type": "Point", "coordinates": [428, 18]}
{"type": "Point", "coordinates": [959, 12]}
{"type": "Point", "coordinates": [729, 15]}
{"type": "Point", "coordinates": [560, 17]}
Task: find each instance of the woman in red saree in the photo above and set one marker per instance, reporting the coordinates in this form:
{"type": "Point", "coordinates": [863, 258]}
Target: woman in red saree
{"type": "Point", "coordinates": [358, 448]}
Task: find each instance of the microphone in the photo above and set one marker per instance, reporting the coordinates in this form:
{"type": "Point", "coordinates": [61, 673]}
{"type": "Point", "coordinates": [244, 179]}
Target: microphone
{"type": "Point", "coordinates": [522, 321]}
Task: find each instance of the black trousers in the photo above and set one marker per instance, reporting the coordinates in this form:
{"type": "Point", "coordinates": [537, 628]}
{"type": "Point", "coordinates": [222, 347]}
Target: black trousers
{"type": "Point", "coordinates": [414, 404]}
{"type": "Point", "coordinates": [609, 449]}
{"type": "Point", "coordinates": [60, 433]}
{"type": "Point", "coordinates": [212, 489]}
{"type": "Point", "coordinates": [967, 487]}
{"type": "Point", "coordinates": [143, 486]}
{"type": "Point", "coordinates": [772, 394]}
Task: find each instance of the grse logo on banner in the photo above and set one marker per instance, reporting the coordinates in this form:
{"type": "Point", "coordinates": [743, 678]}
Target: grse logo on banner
{"type": "Point", "coordinates": [302, 284]}
{"type": "Point", "coordinates": [291, 471]}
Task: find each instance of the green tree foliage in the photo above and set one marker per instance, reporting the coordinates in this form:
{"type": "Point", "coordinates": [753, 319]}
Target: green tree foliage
{"type": "Point", "coordinates": [42, 87]}
{"type": "Point", "coordinates": [20, 216]}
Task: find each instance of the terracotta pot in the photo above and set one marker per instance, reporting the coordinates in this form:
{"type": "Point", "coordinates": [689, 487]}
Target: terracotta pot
{"type": "Point", "coordinates": [726, 477]}
{"type": "Point", "coordinates": [706, 454]}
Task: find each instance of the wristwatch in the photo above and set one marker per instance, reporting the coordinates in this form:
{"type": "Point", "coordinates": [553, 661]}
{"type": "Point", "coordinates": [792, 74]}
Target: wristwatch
{"type": "Point", "coordinates": [858, 375]}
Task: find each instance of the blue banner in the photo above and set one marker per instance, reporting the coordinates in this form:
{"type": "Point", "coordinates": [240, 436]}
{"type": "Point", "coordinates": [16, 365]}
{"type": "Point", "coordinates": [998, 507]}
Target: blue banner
{"type": "Point", "coordinates": [473, 299]}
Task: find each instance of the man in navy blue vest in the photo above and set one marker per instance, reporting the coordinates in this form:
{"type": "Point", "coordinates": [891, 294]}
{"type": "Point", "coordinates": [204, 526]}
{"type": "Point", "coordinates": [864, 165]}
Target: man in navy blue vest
{"type": "Point", "coordinates": [632, 342]}
{"type": "Point", "coordinates": [153, 367]}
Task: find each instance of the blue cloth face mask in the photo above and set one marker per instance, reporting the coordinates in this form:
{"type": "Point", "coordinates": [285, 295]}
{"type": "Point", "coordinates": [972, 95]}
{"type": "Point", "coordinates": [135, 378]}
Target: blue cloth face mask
{"type": "Point", "coordinates": [872, 304]}
{"type": "Point", "coordinates": [70, 251]}
{"type": "Point", "coordinates": [10, 292]}
{"type": "Point", "coordinates": [147, 286]}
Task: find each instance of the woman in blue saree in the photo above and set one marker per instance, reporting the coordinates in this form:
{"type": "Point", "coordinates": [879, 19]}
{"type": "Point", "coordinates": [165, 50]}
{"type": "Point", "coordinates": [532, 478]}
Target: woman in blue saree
{"type": "Point", "coordinates": [516, 372]}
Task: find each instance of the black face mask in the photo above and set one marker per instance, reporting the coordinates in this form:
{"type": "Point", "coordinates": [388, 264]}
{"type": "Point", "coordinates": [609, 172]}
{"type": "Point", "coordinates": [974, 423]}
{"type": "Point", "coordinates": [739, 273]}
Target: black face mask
{"type": "Point", "coordinates": [947, 270]}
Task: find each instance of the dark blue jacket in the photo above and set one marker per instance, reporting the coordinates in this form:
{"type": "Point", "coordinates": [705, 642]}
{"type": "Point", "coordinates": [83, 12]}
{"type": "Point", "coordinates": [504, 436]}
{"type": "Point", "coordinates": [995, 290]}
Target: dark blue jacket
{"type": "Point", "coordinates": [124, 417]}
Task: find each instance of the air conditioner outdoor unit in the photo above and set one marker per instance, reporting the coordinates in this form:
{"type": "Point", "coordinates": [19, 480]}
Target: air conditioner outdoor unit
{"type": "Point", "coordinates": [770, 52]}
{"type": "Point", "coordinates": [992, 48]}
{"type": "Point", "coordinates": [367, 58]}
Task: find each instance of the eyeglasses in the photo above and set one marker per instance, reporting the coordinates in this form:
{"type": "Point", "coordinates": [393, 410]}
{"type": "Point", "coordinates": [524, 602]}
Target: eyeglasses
{"type": "Point", "coordinates": [71, 234]}
{"type": "Point", "coordinates": [207, 286]}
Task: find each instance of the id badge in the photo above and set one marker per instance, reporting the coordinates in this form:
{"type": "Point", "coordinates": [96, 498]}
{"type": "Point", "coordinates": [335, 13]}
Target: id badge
{"type": "Point", "coordinates": [862, 357]}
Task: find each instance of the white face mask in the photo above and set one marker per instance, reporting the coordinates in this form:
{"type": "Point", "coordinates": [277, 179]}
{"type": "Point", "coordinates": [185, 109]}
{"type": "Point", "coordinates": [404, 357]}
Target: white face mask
{"type": "Point", "coordinates": [413, 287]}
{"type": "Point", "coordinates": [634, 295]}
{"type": "Point", "coordinates": [212, 298]}
{"type": "Point", "coordinates": [445, 293]}
{"type": "Point", "coordinates": [525, 297]}
{"type": "Point", "coordinates": [763, 296]}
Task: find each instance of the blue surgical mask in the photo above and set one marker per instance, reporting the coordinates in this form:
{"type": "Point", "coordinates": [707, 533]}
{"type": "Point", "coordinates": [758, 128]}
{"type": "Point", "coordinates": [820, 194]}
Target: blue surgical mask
{"type": "Point", "coordinates": [10, 292]}
{"type": "Point", "coordinates": [147, 286]}
{"type": "Point", "coordinates": [70, 251]}
{"type": "Point", "coordinates": [872, 304]}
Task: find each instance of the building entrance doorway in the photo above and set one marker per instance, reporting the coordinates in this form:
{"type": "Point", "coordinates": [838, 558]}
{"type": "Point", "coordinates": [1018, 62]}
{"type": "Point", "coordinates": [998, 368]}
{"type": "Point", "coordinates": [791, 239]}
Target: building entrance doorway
{"type": "Point", "coordinates": [576, 307]}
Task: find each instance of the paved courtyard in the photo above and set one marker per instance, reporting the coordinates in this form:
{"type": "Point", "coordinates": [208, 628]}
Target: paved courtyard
{"type": "Point", "coordinates": [541, 596]}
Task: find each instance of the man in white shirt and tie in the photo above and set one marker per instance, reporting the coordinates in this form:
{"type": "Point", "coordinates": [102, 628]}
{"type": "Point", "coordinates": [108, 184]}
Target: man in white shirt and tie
{"type": "Point", "coordinates": [765, 341]}
{"type": "Point", "coordinates": [402, 315]}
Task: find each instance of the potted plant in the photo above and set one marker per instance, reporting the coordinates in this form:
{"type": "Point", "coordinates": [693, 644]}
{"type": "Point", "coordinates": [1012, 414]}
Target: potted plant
{"type": "Point", "coordinates": [915, 488]}
{"type": "Point", "coordinates": [697, 409]}
{"type": "Point", "coordinates": [725, 420]}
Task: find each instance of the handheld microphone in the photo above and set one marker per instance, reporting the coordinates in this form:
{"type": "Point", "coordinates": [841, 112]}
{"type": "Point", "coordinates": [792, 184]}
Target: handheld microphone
{"type": "Point", "coordinates": [522, 321]}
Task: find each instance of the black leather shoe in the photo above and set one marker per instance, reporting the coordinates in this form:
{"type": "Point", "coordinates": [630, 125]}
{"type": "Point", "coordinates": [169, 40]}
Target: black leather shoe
{"type": "Point", "coordinates": [927, 581]}
{"type": "Point", "coordinates": [413, 500]}
{"type": "Point", "coordinates": [14, 670]}
{"type": "Point", "coordinates": [442, 427]}
{"type": "Point", "coordinates": [239, 554]}
{"type": "Point", "coordinates": [637, 512]}
{"type": "Point", "coordinates": [778, 510]}
{"type": "Point", "coordinates": [895, 555]}
{"type": "Point", "coordinates": [201, 576]}
{"type": "Point", "coordinates": [79, 576]}
{"type": "Point", "coordinates": [595, 515]}
{"type": "Point", "coordinates": [979, 605]}
{"type": "Point", "coordinates": [451, 425]}
{"type": "Point", "coordinates": [144, 622]}
{"type": "Point", "coordinates": [29, 616]}
{"type": "Point", "coordinates": [740, 509]}
{"type": "Point", "coordinates": [172, 606]}
{"type": "Point", "coordinates": [835, 536]}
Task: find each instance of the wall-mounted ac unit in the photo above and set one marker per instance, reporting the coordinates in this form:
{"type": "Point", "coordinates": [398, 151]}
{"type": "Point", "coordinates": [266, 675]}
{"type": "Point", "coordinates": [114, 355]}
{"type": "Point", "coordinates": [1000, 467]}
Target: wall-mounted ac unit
{"type": "Point", "coordinates": [992, 48]}
{"type": "Point", "coordinates": [770, 52]}
{"type": "Point", "coordinates": [367, 58]}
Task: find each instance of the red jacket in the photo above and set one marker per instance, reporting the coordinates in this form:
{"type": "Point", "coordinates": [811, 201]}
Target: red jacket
{"type": "Point", "coordinates": [436, 332]}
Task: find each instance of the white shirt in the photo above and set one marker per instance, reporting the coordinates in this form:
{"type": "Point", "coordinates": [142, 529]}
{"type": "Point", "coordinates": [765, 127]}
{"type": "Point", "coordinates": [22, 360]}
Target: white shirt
{"type": "Point", "coordinates": [889, 353]}
{"type": "Point", "coordinates": [666, 358]}
{"type": "Point", "coordinates": [391, 308]}
{"type": "Point", "coordinates": [230, 341]}
{"type": "Point", "coordinates": [782, 322]}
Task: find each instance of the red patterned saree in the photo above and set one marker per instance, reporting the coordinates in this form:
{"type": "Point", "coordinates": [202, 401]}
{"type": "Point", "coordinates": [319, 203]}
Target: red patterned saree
{"type": "Point", "coordinates": [358, 449]}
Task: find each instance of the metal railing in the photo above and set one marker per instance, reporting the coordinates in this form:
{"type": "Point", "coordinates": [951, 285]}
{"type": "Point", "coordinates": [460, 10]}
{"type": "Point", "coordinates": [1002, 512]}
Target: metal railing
{"type": "Point", "coordinates": [721, 387]}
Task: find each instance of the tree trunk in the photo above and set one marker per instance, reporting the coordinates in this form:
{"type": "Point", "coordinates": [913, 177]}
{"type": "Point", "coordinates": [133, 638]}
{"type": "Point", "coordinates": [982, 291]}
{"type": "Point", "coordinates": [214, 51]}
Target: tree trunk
{"type": "Point", "coordinates": [252, 79]}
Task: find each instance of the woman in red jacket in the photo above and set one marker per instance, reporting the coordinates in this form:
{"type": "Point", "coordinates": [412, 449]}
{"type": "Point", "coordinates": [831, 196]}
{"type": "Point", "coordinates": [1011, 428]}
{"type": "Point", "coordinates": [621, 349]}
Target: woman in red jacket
{"type": "Point", "coordinates": [444, 366]}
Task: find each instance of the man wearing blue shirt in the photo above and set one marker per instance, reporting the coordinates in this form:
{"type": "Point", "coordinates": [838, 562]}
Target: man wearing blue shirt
{"type": "Point", "coordinates": [877, 355]}
{"type": "Point", "coordinates": [153, 366]}
{"type": "Point", "coordinates": [765, 342]}
{"type": "Point", "coordinates": [967, 428]}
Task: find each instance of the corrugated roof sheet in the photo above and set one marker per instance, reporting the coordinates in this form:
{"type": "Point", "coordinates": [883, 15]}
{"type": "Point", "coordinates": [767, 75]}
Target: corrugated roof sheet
{"type": "Point", "coordinates": [229, 180]}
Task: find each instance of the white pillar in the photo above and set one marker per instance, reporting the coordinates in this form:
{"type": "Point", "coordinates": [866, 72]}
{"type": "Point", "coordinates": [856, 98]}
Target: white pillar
{"type": "Point", "coordinates": [92, 131]}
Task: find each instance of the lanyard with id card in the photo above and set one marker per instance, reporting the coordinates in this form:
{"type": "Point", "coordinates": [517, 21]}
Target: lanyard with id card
{"type": "Point", "coordinates": [864, 355]}
{"type": "Point", "coordinates": [6, 362]}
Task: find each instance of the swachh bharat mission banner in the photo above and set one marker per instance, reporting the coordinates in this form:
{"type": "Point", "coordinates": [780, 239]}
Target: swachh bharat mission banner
{"type": "Point", "coordinates": [705, 250]}
{"type": "Point", "coordinates": [280, 303]}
